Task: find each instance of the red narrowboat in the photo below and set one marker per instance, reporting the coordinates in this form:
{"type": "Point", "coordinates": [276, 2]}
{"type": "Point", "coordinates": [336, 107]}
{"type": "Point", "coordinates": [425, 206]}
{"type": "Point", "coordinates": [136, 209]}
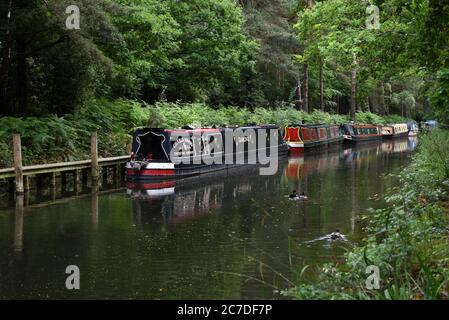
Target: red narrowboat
{"type": "Point", "coordinates": [304, 137]}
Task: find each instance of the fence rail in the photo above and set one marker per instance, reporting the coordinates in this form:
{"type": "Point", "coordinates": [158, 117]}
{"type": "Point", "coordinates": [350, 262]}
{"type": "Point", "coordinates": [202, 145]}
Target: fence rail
{"type": "Point", "coordinates": [18, 172]}
{"type": "Point", "coordinates": [59, 167]}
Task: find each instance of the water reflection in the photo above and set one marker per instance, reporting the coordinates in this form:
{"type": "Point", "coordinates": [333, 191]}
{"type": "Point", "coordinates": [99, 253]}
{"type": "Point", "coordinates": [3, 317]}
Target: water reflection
{"type": "Point", "coordinates": [175, 202]}
{"type": "Point", "coordinates": [94, 206]}
{"type": "Point", "coordinates": [18, 226]}
{"type": "Point", "coordinates": [198, 238]}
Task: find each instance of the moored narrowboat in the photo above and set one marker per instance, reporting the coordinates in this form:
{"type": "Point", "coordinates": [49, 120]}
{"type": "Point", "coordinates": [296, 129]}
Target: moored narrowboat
{"type": "Point", "coordinates": [172, 154]}
{"type": "Point", "coordinates": [395, 131]}
{"type": "Point", "coordinates": [387, 131]}
{"type": "Point", "coordinates": [303, 137]}
{"type": "Point", "coordinates": [412, 128]}
{"type": "Point", "coordinates": [361, 132]}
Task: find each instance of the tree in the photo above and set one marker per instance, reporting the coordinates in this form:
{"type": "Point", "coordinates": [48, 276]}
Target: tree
{"type": "Point", "coordinates": [151, 42]}
{"type": "Point", "coordinates": [270, 23]}
{"type": "Point", "coordinates": [339, 37]}
{"type": "Point", "coordinates": [47, 68]}
{"type": "Point", "coordinates": [213, 51]}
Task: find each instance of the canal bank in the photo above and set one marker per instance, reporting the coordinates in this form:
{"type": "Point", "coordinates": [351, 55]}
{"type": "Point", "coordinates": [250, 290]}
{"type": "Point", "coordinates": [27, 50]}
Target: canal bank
{"type": "Point", "coordinates": [227, 236]}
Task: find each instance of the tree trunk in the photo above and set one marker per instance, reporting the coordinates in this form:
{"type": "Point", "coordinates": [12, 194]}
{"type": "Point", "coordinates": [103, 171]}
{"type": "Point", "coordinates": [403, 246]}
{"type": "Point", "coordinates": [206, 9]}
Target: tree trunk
{"type": "Point", "coordinates": [21, 68]}
{"type": "Point", "coordinates": [353, 87]}
{"type": "Point", "coordinates": [383, 107]}
{"type": "Point", "coordinates": [5, 64]}
{"type": "Point", "coordinates": [305, 104]}
{"type": "Point", "coordinates": [22, 76]}
{"type": "Point", "coordinates": [298, 94]}
{"type": "Point", "coordinates": [321, 86]}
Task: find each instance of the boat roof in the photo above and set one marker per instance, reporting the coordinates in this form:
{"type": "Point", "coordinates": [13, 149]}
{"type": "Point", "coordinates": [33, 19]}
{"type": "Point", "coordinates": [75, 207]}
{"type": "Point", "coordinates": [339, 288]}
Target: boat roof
{"type": "Point", "coordinates": [312, 125]}
{"type": "Point", "coordinates": [206, 129]}
{"type": "Point", "coordinates": [364, 125]}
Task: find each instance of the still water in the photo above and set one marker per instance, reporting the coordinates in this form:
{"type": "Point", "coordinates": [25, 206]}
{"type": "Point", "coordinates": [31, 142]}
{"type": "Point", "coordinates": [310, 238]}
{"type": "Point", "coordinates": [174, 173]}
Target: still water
{"type": "Point", "coordinates": [230, 235]}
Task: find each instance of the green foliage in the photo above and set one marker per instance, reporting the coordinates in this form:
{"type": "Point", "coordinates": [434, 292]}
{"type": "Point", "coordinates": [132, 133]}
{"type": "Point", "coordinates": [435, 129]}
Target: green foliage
{"type": "Point", "coordinates": [213, 49]}
{"type": "Point", "coordinates": [325, 118]}
{"type": "Point", "coordinates": [372, 118]}
{"type": "Point", "coordinates": [439, 95]}
{"type": "Point", "coordinates": [221, 52]}
{"type": "Point", "coordinates": [192, 50]}
{"type": "Point", "coordinates": [394, 118]}
{"type": "Point", "coordinates": [433, 156]}
{"type": "Point", "coordinates": [270, 23]}
{"type": "Point", "coordinates": [407, 241]}
{"type": "Point", "coordinates": [368, 117]}
{"type": "Point", "coordinates": [152, 38]}
{"type": "Point", "coordinates": [179, 114]}
{"type": "Point", "coordinates": [47, 69]}
{"type": "Point", "coordinates": [395, 55]}
{"type": "Point", "coordinates": [50, 139]}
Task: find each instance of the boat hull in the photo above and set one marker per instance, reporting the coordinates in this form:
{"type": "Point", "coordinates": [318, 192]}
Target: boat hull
{"type": "Point", "coordinates": [393, 136]}
{"type": "Point", "coordinates": [304, 138]}
{"type": "Point", "coordinates": [136, 171]}
{"type": "Point", "coordinates": [296, 147]}
{"type": "Point", "coordinates": [176, 173]}
{"type": "Point", "coordinates": [355, 139]}
{"type": "Point", "coordinates": [359, 133]}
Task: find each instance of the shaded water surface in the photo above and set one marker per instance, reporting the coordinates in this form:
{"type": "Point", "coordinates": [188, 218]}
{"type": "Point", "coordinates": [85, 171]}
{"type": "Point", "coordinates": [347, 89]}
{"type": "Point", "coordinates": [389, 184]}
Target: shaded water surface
{"type": "Point", "coordinates": [230, 235]}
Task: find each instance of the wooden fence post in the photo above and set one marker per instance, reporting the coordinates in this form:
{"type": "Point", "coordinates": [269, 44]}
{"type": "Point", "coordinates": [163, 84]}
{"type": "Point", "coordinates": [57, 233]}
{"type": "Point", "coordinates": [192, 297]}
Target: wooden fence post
{"type": "Point", "coordinates": [94, 158]}
{"type": "Point", "coordinates": [18, 168]}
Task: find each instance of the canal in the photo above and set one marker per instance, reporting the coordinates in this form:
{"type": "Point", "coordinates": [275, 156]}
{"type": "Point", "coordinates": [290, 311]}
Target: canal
{"type": "Point", "coordinates": [230, 235]}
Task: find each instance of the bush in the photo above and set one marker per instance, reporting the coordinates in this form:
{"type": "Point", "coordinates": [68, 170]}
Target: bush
{"type": "Point", "coordinates": [368, 117]}
{"type": "Point", "coordinates": [52, 139]}
{"type": "Point", "coordinates": [173, 115]}
{"type": "Point", "coordinates": [372, 118]}
{"type": "Point", "coordinates": [394, 118]}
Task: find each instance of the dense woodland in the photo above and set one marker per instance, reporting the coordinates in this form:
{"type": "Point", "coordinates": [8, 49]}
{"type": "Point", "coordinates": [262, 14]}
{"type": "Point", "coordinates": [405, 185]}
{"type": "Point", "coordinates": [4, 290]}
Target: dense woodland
{"type": "Point", "coordinates": [247, 53]}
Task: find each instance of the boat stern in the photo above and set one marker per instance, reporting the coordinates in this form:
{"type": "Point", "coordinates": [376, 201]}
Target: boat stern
{"type": "Point", "coordinates": [148, 170]}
